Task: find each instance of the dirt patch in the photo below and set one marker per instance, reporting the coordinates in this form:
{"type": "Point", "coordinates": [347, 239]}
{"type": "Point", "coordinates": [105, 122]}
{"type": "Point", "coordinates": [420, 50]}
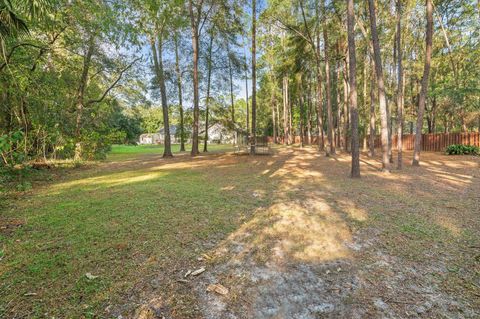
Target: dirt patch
{"type": "Point", "coordinates": [289, 235]}
{"type": "Point", "coordinates": [9, 225]}
{"type": "Point", "coordinates": [319, 255]}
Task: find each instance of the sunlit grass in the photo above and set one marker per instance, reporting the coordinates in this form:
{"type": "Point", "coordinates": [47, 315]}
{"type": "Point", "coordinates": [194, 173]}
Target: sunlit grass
{"type": "Point", "coordinates": [121, 226]}
{"type": "Point", "coordinates": [124, 151]}
{"type": "Point", "coordinates": [138, 217]}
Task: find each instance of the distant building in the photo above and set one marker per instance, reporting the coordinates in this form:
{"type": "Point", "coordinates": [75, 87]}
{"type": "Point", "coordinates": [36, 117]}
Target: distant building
{"type": "Point", "coordinates": [150, 138]}
{"type": "Point", "coordinates": [219, 134]}
{"type": "Point", "coordinates": [159, 137]}
{"type": "Point", "coordinates": [173, 135]}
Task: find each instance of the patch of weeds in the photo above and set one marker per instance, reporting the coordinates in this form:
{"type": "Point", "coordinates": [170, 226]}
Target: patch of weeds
{"type": "Point", "coordinates": [421, 229]}
{"type": "Point", "coordinates": [87, 287]}
{"type": "Point", "coordinates": [24, 186]}
{"type": "Point", "coordinates": [453, 269]}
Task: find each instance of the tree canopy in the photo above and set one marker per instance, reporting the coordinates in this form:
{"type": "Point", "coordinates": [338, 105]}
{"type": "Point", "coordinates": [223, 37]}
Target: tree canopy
{"type": "Point", "coordinates": [77, 76]}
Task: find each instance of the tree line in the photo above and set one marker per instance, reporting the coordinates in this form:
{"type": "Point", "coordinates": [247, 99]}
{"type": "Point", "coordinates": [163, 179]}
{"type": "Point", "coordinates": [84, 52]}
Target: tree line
{"type": "Point", "coordinates": [345, 71]}
{"type": "Point", "coordinates": [77, 76]}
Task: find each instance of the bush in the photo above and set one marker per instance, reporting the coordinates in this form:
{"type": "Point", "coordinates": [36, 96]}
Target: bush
{"type": "Point", "coordinates": [9, 152]}
{"type": "Point", "coordinates": [95, 145]}
{"type": "Point", "coordinates": [458, 149]}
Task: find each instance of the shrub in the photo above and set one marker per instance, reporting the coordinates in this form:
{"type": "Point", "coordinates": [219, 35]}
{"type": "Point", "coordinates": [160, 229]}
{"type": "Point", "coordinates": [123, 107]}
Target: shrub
{"type": "Point", "coordinates": [458, 149]}
{"type": "Point", "coordinates": [9, 152]}
{"type": "Point", "coordinates": [95, 145]}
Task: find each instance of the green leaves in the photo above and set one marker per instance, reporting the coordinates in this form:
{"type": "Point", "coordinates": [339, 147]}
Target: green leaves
{"type": "Point", "coordinates": [458, 149]}
{"type": "Point", "coordinates": [11, 24]}
{"type": "Point", "coordinates": [9, 148]}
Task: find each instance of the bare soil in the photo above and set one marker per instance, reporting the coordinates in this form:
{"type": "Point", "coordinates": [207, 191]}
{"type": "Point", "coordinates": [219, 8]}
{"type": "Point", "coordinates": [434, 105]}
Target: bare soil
{"type": "Point", "coordinates": [321, 245]}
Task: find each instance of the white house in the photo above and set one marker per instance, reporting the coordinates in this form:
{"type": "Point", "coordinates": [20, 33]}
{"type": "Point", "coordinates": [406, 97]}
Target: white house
{"type": "Point", "coordinates": [173, 133]}
{"type": "Point", "coordinates": [217, 133]}
{"type": "Point", "coordinates": [159, 137]}
{"type": "Point", "coordinates": [150, 138]}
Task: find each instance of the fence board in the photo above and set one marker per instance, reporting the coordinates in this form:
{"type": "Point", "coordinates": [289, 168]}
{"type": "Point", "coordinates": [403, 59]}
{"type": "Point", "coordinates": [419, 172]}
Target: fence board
{"type": "Point", "coordinates": [430, 142]}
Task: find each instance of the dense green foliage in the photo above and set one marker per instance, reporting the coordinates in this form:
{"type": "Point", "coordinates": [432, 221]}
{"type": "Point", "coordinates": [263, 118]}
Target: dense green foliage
{"type": "Point", "coordinates": [459, 149]}
{"type": "Point", "coordinates": [55, 80]}
{"type": "Point", "coordinates": [77, 76]}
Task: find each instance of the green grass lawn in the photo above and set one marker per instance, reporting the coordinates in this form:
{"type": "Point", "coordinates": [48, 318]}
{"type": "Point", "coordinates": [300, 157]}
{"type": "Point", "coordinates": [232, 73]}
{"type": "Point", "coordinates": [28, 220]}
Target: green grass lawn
{"type": "Point", "coordinates": [124, 151]}
{"type": "Point", "coordinates": [138, 222]}
{"type": "Point", "coordinates": [122, 224]}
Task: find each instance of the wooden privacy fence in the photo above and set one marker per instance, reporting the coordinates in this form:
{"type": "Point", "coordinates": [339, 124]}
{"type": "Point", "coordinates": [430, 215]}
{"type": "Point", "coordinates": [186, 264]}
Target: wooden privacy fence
{"type": "Point", "coordinates": [430, 142]}
{"type": "Point", "coordinates": [435, 142]}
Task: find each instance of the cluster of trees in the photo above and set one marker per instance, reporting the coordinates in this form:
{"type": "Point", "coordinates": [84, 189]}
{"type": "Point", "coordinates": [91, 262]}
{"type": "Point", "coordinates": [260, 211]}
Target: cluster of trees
{"type": "Point", "coordinates": [60, 63]}
{"type": "Point", "coordinates": [345, 70]}
{"type": "Point", "coordinates": [76, 76]}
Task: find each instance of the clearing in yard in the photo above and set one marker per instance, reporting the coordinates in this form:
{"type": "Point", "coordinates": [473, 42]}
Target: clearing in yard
{"type": "Point", "coordinates": [289, 235]}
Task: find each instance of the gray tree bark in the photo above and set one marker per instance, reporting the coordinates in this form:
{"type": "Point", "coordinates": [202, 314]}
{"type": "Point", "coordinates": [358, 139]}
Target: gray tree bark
{"type": "Point", "coordinates": [423, 91]}
{"type": "Point", "coordinates": [355, 173]}
{"type": "Point", "coordinates": [400, 86]}
{"type": "Point", "coordinates": [180, 97]}
{"type": "Point", "coordinates": [381, 88]}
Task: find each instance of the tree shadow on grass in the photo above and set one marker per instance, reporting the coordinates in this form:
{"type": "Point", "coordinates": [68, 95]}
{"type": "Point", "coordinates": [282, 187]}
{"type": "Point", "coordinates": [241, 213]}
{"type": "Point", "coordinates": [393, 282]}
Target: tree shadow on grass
{"type": "Point", "coordinates": [278, 226]}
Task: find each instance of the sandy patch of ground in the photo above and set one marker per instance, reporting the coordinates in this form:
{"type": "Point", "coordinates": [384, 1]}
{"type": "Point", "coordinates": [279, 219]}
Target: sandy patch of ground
{"type": "Point", "coordinates": [388, 246]}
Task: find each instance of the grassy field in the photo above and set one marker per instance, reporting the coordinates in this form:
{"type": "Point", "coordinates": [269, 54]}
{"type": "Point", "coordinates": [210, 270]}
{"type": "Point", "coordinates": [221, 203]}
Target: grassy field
{"type": "Point", "coordinates": [114, 221]}
{"type": "Point", "coordinates": [103, 240]}
{"type": "Point", "coordinates": [124, 151]}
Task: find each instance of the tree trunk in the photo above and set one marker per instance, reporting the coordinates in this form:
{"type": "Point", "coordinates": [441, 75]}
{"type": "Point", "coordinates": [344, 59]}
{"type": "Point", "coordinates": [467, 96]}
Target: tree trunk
{"type": "Point", "coordinates": [373, 132]}
{"type": "Point", "coordinates": [254, 78]}
{"type": "Point", "coordinates": [246, 91]}
{"type": "Point", "coordinates": [353, 90]}
{"type": "Point", "coordinates": [207, 102]}
{"type": "Point", "coordinates": [434, 114]}
{"type": "Point", "coordinates": [81, 95]}
{"type": "Point", "coordinates": [309, 115]}
{"type": "Point", "coordinates": [290, 124]}
{"type": "Point", "coordinates": [180, 97]}
{"type": "Point", "coordinates": [196, 108]}
{"type": "Point", "coordinates": [346, 122]}
{"type": "Point", "coordinates": [365, 102]}
{"type": "Point", "coordinates": [278, 120]}
{"type": "Point", "coordinates": [339, 109]}
{"type": "Point", "coordinates": [320, 135]}
{"type": "Point", "coordinates": [302, 119]}
{"type": "Point", "coordinates": [400, 86]}
{"type": "Point", "coordinates": [321, 138]}
{"type": "Point", "coordinates": [331, 143]}
{"type": "Point", "coordinates": [285, 111]}
{"type": "Point", "coordinates": [158, 63]}
{"type": "Point", "coordinates": [381, 88]}
{"type": "Point", "coordinates": [390, 129]}
{"type": "Point", "coordinates": [231, 85]}
{"type": "Point", "coordinates": [423, 92]}
{"type": "Point", "coordinates": [274, 123]}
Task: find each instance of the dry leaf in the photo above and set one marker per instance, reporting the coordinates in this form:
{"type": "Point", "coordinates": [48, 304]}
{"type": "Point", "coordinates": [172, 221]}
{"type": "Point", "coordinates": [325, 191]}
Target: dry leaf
{"type": "Point", "coordinates": [198, 271]}
{"type": "Point", "coordinates": [90, 276]}
{"type": "Point", "coordinates": [206, 256]}
{"type": "Point", "coordinates": [219, 289]}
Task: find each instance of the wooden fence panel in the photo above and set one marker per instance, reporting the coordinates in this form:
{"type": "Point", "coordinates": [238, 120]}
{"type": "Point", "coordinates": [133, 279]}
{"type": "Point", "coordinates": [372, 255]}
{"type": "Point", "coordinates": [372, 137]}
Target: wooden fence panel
{"type": "Point", "coordinates": [430, 142]}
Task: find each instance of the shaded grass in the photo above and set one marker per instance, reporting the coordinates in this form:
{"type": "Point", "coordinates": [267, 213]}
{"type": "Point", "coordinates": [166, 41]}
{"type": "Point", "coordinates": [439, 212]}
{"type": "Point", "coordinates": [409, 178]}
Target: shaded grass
{"type": "Point", "coordinates": [121, 231]}
{"type": "Point", "coordinates": [139, 221]}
